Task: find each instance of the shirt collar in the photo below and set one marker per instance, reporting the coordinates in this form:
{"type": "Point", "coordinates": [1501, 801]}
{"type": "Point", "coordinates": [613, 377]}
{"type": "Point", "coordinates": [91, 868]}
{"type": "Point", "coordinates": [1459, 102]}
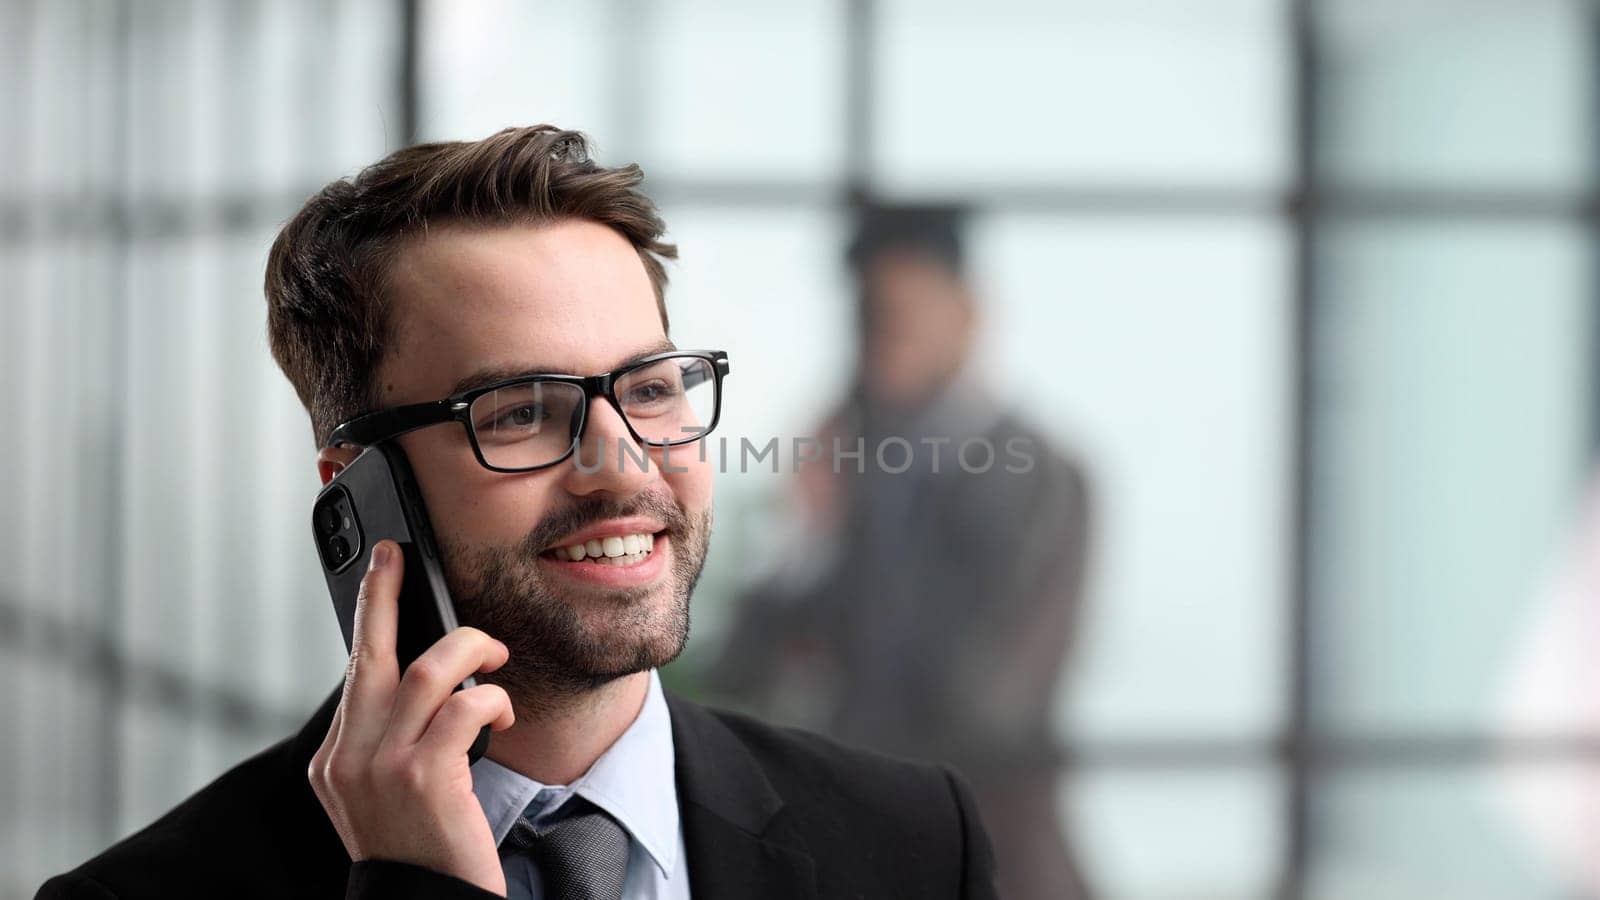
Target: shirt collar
{"type": "Point", "coordinates": [962, 408]}
{"type": "Point", "coordinates": [634, 781]}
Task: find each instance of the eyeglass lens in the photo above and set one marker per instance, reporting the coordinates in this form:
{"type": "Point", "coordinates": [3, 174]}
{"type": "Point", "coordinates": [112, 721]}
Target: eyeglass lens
{"type": "Point", "coordinates": [526, 425]}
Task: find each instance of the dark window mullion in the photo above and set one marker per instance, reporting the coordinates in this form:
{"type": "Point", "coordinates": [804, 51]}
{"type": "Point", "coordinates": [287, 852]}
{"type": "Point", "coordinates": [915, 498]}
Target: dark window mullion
{"type": "Point", "coordinates": [1299, 727]}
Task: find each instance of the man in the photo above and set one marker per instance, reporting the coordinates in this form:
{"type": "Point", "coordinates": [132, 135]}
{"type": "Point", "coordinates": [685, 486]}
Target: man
{"type": "Point", "coordinates": [929, 608]}
{"type": "Point", "coordinates": [446, 268]}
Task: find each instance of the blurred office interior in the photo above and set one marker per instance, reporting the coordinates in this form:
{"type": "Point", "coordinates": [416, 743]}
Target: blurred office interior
{"type": "Point", "coordinates": [1307, 286]}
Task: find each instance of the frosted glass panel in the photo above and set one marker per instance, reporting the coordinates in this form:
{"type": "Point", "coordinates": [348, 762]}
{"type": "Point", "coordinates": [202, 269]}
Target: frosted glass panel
{"type": "Point", "coordinates": [1016, 92]}
{"type": "Point", "coordinates": [1450, 416]}
{"type": "Point", "coordinates": [1173, 833]}
{"type": "Point", "coordinates": [1398, 835]}
{"type": "Point", "coordinates": [492, 64]}
{"type": "Point", "coordinates": [1158, 351]}
{"type": "Point", "coordinates": [161, 611]}
{"type": "Point", "coordinates": [234, 97]}
{"type": "Point", "coordinates": [1469, 95]}
{"type": "Point", "coordinates": [736, 89]}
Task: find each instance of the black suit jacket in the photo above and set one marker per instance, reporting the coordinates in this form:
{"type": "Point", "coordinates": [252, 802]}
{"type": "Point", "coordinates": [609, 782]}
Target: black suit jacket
{"type": "Point", "coordinates": [768, 813]}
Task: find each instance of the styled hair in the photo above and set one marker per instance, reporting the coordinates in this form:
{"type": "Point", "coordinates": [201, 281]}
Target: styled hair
{"type": "Point", "coordinates": [328, 319]}
{"type": "Point", "coordinates": [935, 231]}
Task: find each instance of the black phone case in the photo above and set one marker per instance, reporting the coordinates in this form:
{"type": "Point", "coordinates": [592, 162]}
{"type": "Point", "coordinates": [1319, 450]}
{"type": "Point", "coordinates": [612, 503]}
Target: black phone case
{"type": "Point", "coordinates": [383, 497]}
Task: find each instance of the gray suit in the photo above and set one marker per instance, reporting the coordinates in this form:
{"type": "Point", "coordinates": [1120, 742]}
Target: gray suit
{"type": "Point", "coordinates": [940, 626]}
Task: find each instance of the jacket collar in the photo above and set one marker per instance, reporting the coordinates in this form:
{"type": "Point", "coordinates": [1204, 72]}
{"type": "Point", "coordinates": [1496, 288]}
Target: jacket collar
{"type": "Point", "coordinates": [738, 845]}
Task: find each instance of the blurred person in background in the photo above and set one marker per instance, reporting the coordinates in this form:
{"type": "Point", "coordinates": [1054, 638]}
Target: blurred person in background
{"type": "Point", "coordinates": [928, 612]}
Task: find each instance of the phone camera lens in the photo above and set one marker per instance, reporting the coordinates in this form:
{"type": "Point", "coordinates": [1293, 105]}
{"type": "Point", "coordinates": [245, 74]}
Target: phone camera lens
{"type": "Point", "coordinates": [338, 549]}
{"type": "Point", "coordinates": [328, 518]}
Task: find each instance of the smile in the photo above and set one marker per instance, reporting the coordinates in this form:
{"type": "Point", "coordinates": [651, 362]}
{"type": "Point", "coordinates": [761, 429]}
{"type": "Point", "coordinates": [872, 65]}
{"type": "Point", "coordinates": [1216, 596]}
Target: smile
{"type": "Point", "coordinates": [616, 550]}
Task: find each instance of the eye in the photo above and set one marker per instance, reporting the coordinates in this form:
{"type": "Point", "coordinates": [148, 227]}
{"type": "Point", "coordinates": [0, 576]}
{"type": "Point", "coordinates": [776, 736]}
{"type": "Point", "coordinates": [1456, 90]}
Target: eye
{"type": "Point", "coordinates": [522, 417]}
{"type": "Point", "coordinates": [651, 392]}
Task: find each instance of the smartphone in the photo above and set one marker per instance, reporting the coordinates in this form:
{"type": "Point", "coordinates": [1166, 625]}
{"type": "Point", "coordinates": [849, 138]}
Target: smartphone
{"type": "Point", "coordinates": [374, 498]}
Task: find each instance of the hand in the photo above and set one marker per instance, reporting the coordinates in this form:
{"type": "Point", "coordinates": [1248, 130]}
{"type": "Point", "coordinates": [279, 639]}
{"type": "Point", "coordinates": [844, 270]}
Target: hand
{"type": "Point", "coordinates": [392, 773]}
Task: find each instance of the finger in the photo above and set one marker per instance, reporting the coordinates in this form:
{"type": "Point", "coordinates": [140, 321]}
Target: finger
{"type": "Point", "coordinates": [456, 726]}
{"type": "Point", "coordinates": [430, 678]}
{"type": "Point", "coordinates": [373, 672]}
{"type": "Point", "coordinates": [324, 751]}
{"type": "Point", "coordinates": [336, 724]}
{"type": "Point", "coordinates": [319, 770]}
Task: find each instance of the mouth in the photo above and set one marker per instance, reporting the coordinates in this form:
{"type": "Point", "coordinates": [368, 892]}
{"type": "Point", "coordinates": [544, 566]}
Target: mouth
{"type": "Point", "coordinates": [623, 550]}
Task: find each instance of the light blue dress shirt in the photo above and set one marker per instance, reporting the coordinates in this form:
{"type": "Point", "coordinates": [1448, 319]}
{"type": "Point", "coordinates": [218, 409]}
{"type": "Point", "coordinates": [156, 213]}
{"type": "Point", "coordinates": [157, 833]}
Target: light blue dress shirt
{"type": "Point", "coordinates": [633, 781]}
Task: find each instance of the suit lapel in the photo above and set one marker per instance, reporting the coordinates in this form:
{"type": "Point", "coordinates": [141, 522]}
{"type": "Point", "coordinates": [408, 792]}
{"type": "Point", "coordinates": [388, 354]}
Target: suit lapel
{"type": "Point", "coordinates": [727, 806]}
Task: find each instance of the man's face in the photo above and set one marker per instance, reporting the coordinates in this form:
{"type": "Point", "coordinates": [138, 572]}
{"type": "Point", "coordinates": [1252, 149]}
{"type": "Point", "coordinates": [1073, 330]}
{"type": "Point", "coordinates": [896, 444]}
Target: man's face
{"type": "Point", "coordinates": [571, 297]}
{"type": "Point", "coordinates": [918, 327]}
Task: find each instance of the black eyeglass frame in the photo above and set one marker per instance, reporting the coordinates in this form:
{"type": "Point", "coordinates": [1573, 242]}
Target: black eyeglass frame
{"type": "Point", "coordinates": [380, 425]}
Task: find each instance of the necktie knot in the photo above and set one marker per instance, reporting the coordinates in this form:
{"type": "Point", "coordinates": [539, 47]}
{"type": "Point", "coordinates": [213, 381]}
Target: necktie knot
{"type": "Point", "coordinates": [583, 856]}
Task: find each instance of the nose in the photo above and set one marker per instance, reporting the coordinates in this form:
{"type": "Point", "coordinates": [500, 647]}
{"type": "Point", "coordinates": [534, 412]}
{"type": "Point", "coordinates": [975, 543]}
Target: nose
{"type": "Point", "coordinates": [608, 459]}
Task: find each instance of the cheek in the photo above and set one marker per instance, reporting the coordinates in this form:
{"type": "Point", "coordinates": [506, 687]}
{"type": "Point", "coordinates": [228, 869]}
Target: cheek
{"type": "Point", "coordinates": [468, 504]}
{"type": "Point", "coordinates": [503, 509]}
{"type": "Point", "coordinates": [691, 487]}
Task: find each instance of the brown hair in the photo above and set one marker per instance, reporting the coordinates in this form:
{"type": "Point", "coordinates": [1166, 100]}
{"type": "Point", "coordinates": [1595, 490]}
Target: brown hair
{"type": "Point", "coordinates": [327, 320]}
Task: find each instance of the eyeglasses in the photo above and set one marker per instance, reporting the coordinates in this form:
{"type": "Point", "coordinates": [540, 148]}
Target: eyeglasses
{"type": "Point", "coordinates": [536, 421]}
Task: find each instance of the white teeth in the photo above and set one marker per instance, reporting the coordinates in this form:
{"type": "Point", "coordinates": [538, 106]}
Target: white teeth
{"type": "Point", "coordinates": [618, 549]}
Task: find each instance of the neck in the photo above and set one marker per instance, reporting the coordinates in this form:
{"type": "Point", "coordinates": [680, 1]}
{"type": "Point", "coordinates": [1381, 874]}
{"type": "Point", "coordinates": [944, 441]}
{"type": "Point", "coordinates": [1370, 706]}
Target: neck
{"type": "Point", "coordinates": [556, 744]}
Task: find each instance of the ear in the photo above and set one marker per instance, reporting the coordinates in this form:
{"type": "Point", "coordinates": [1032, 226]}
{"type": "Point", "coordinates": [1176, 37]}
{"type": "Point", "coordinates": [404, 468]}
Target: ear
{"type": "Point", "coordinates": [332, 460]}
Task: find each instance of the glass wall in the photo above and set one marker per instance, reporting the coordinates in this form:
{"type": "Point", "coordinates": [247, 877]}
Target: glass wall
{"type": "Point", "coordinates": [1452, 408]}
{"type": "Point", "coordinates": [159, 612]}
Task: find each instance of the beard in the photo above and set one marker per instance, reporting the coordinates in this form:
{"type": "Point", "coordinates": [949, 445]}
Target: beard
{"type": "Point", "coordinates": [564, 645]}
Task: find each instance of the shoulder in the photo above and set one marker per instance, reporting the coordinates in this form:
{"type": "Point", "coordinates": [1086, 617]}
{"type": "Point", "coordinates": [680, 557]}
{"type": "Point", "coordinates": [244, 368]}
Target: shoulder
{"type": "Point", "coordinates": [259, 817]}
{"type": "Point", "coordinates": [184, 843]}
{"type": "Point", "coordinates": [809, 768]}
{"type": "Point", "coordinates": [860, 814]}
{"type": "Point", "coordinates": [1024, 448]}
{"type": "Point", "coordinates": [74, 885]}
{"type": "Point", "coordinates": [1034, 478]}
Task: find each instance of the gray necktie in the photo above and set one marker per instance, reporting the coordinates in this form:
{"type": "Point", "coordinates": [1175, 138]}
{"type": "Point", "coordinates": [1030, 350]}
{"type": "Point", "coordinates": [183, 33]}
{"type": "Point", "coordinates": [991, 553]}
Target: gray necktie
{"type": "Point", "coordinates": [583, 856]}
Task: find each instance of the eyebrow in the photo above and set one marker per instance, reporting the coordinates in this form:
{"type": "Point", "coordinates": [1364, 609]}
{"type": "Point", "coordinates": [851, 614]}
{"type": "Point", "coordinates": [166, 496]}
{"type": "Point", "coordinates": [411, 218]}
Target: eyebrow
{"type": "Point", "coordinates": [495, 374]}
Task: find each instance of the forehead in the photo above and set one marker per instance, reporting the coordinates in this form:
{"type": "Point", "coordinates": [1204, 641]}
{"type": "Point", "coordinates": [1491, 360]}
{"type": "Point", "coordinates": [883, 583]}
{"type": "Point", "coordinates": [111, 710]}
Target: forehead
{"type": "Point", "coordinates": [897, 266]}
{"type": "Point", "coordinates": [570, 296]}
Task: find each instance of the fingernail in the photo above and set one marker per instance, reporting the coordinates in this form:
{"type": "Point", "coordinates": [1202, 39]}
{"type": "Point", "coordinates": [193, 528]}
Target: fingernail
{"type": "Point", "coordinates": [380, 555]}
